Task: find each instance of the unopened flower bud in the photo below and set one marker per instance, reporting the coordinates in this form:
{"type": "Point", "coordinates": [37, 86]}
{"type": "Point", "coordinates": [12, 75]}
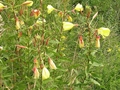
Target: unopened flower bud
{"type": "Point", "coordinates": [47, 41]}
{"type": "Point", "coordinates": [20, 34]}
{"type": "Point", "coordinates": [69, 18]}
{"type": "Point", "coordinates": [36, 73]}
{"type": "Point", "coordinates": [88, 10]}
{"type": "Point", "coordinates": [97, 41]}
{"type": "Point", "coordinates": [36, 64]}
{"type": "Point", "coordinates": [51, 64]}
{"type": "Point", "coordinates": [35, 13]}
{"type": "Point", "coordinates": [17, 23]}
{"type": "Point", "coordinates": [81, 42]}
{"type": "Point", "coordinates": [28, 3]}
{"type": "Point", "coordinates": [60, 14]}
{"type": "Point", "coordinates": [21, 46]}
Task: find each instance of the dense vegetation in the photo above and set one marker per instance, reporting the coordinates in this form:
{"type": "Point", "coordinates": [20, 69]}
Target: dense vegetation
{"type": "Point", "coordinates": [37, 52]}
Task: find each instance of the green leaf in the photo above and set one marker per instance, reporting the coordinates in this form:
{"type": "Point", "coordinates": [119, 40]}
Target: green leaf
{"type": "Point", "coordinates": [97, 64]}
{"type": "Point", "coordinates": [94, 81]}
{"type": "Point", "coordinates": [93, 53]}
{"type": "Point", "coordinates": [86, 72]}
{"type": "Point", "coordinates": [54, 41]}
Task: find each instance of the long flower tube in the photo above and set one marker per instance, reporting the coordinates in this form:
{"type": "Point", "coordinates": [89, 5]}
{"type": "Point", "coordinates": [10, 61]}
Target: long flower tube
{"type": "Point", "coordinates": [97, 42]}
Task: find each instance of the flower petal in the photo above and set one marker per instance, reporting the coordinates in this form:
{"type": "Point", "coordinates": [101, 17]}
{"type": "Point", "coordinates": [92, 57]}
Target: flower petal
{"type": "Point", "coordinates": [67, 26]}
{"type": "Point", "coordinates": [45, 73]}
{"type": "Point", "coordinates": [50, 9]}
{"type": "Point", "coordinates": [104, 31]}
{"type": "Point", "coordinates": [79, 7]}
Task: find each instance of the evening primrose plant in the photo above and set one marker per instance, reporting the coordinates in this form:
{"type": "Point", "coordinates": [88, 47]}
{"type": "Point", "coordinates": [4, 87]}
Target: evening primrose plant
{"type": "Point", "coordinates": [50, 48]}
{"type": "Point", "coordinates": [92, 40]}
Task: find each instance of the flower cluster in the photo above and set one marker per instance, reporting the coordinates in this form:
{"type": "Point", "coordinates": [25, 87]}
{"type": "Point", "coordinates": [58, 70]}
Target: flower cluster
{"type": "Point", "coordinates": [45, 71]}
{"type": "Point", "coordinates": [68, 25]}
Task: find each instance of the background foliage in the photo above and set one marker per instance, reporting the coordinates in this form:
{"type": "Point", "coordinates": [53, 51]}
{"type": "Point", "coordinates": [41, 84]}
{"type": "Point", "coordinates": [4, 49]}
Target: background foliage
{"type": "Point", "coordinates": [16, 68]}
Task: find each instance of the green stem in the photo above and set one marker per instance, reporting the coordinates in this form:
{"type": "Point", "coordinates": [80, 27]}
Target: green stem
{"type": "Point", "coordinates": [41, 42]}
{"type": "Point", "coordinates": [89, 50]}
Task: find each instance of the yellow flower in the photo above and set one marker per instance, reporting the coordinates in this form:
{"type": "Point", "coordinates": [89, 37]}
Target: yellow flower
{"type": "Point", "coordinates": [63, 37]}
{"type": "Point", "coordinates": [50, 9]}
{"type": "Point", "coordinates": [67, 26]}
{"type": "Point", "coordinates": [45, 73]}
{"type": "Point", "coordinates": [109, 50]}
{"type": "Point", "coordinates": [2, 6]}
{"type": "Point", "coordinates": [52, 64]}
{"type": "Point", "coordinates": [17, 24]}
{"type": "Point", "coordinates": [98, 41]}
{"type": "Point", "coordinates": [28, 3]}
{"type": "Point", "coordinates": [39, 21]}
{"type": "Point", "coordinates": [79, 7]}
{"type": "Point", "coordinates": [81, 42]}
{"type": "Point", "coordinates": [1, 48]}
{"type": "Point", "coordinates": [117, 46]}
{"type": "Point", "coordinates": [118, 49]}
{"type": "Point", "coordinates": [22, 22]}
{"type": "Point", "coordinates": [62, 49]}
{"type": "Point", "coordinates": [104, 31]}
{"type": "Point", "coordinates": [31, 27]}
{"type": "Point", "coordinates": [69, 18]}
{"type": "Point", "coordinates": [36, 73]}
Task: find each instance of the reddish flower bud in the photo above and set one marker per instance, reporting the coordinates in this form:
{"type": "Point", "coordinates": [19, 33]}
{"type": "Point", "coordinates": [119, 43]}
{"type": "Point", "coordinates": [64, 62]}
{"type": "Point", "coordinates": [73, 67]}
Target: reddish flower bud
{"type": "Point", "coordinates": [60, 14]}
{"type": "Point", "coordinates": [81, 42]}
{"type": "Point", "coordinates": [36, 64]}
{"type": "Point", "coordinates": [17, 23]}
{"type": "Point", "coordinates": [19, 34]}
{"type": "Point", "coordinates": [47, 41]}
{"type": "Point", "coordinates": [36, 73]}
{"type": "Point", "coordinates": [35, 13]}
